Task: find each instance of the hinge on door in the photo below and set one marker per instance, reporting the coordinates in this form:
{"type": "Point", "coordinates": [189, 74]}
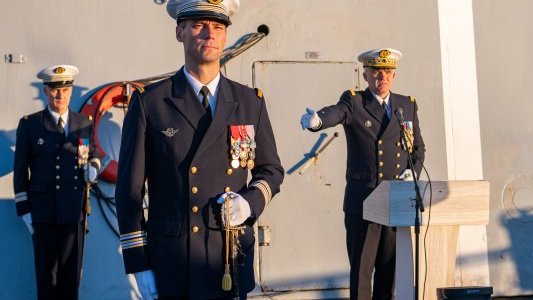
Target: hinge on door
{"type": "Point", "coordinates": [263, 232]}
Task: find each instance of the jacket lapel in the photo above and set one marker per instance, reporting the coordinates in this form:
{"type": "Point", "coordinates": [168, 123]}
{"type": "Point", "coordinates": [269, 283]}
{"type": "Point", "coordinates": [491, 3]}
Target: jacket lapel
{"type": "Point", "coordinates": [184, 99]}
{"type": "Point", "coordinates": [225, 108]}
{"type": "Point", "coordinates": [49, 123]}
{"type": "Point", "coordinates": [74, 126]}
{"type": "Point", "coordinates": [372, 106]}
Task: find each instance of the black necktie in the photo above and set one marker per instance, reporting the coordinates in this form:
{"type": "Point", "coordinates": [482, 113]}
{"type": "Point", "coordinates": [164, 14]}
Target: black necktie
{"type": "Point", "coordinates": [385, 117]}
{"type": "Point", "coordinates": [61, 126]}
{"type": "Point", "coordinates": [205, 102]}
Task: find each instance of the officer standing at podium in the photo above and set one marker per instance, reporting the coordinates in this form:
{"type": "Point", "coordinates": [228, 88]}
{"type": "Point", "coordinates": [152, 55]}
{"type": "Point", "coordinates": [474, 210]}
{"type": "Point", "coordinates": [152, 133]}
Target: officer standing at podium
{"type": "Point", "coordinates": [194, 138]}
{"type": "Point", "coordinates": [54, 157]}
{"type": "Point", "coordinates": [375, 153]}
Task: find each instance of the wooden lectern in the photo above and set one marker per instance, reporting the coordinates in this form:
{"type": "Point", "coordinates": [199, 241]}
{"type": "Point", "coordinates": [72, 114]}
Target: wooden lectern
{"type": "Point", "coordinates": [454, 203]}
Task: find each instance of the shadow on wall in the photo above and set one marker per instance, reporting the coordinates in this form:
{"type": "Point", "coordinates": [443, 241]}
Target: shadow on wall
{"type": "Point", "coordinates": [517, 201]}
{"type": "Point", "coordinates": [519, 228]}
{"type": "Point", "coordinates": [16, 252]}
{"type": "Point", "coordinates": [7, 150]}
{"type": "Point", "coordinates": [103, 271]}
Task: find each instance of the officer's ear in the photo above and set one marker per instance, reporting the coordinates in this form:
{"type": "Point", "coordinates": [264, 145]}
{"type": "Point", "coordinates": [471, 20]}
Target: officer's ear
{"type": "Point", "coordinates": [178, 34]}
{"type": "Point", "coordinates": [180, 27]}
{"type": "Point", "coordinates": [365, 75]}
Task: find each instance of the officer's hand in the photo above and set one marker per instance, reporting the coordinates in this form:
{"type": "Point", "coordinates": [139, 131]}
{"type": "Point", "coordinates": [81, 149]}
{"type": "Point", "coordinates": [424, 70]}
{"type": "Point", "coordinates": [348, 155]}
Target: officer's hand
{"type": "Point", "coordinates": [89, 176]}
{"type": "Point", "coordinates": [146, 284]}
{"type": "Point", "coordinates": [239, 209]}
{"type": "Point", "coordinates": [310, 120]}
{"type": "Point", "coordinates": [407, 175]}
{"type": "Point", "coordinates": [27, 220]}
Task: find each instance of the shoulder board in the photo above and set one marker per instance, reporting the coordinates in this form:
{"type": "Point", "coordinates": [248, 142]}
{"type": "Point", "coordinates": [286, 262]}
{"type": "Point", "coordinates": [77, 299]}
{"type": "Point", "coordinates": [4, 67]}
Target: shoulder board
{"type": "Point", "coordinates": [90, 118]}
{"type": "Point", "coordinates": [412, 99]}
{"type": "Point", "coordinates": [353, 92]}
{"type": "Point", "coordinates": [259, 93]}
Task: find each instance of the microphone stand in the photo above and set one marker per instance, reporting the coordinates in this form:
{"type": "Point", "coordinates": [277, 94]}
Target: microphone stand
{"type": "Point", "coordinates": [419, 205]}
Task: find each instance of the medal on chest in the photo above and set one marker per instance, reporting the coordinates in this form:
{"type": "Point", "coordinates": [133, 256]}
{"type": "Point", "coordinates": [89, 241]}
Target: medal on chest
{"type": "Point", "coordinates": [83, 151]}
{"type": "Point", "coordinates": [409, 136]}
{"type": "Point", "coordinates": [242, 146]}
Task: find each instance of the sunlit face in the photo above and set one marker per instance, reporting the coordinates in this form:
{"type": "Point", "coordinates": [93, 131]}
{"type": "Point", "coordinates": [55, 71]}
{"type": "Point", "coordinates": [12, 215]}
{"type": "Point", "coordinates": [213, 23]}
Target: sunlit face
{"type": "Point", "coordinates": [58, 98]}
{"type": "Point", "coordinates": [379, 80]}
{"type": "Point", "coordinates": [203, 40]}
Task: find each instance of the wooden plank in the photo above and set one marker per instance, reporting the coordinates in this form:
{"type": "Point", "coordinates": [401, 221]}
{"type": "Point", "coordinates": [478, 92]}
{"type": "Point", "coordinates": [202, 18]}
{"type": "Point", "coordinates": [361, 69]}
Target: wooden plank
{"type": "Point", "coordinates": [452, 203]}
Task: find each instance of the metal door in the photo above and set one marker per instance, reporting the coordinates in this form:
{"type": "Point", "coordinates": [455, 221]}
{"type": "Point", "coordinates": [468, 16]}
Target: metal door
{"type": "Point", "coordinates": [304, 224]}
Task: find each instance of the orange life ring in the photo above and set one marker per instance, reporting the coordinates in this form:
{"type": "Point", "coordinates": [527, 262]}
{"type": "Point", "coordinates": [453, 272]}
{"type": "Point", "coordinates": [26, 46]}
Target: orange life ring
{"type": "Point", "coordinates": [96, 105]}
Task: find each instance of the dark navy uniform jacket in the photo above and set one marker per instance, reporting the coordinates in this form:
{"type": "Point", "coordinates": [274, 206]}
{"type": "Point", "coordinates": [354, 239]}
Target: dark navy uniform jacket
{"type": "Point", "coordinates": [163, 141]}
{"type": "Point", "coordinates": [373, 155]}
{"type": "Point", "coordinates": [47, 180]}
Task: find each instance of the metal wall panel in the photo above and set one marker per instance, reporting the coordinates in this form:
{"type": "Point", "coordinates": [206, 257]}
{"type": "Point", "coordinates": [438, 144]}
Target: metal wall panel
{"type": "Point", "coordinates": [504, 72]}
{"type": "Point", "coordinates": [306, 220]}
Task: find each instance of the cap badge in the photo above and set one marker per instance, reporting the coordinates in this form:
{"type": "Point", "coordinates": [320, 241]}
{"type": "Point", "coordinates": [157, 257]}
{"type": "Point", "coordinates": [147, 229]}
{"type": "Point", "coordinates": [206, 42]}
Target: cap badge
{"type": "Point", "coordinates": [59, 70]}
{"type": "Point", "coordinates": [384, 53]}
{"type": "Point", "coordinates": [216, 2]}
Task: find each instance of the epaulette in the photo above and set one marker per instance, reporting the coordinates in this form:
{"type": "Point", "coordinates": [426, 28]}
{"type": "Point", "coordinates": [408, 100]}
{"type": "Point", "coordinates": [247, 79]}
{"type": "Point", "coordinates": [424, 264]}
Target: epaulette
{"type": "Point", "coordinates": [90, 118]}
{"type": "Point", "coordinates": [259, 93]}
{"type": "Point", "coordinates": [412, 99]}
{"type": "Point", "coordinates": [353, 92]}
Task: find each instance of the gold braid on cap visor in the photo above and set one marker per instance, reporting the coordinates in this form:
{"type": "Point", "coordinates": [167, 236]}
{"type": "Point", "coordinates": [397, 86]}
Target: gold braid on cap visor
{"type": "Point", "coordinates": [387, 62]}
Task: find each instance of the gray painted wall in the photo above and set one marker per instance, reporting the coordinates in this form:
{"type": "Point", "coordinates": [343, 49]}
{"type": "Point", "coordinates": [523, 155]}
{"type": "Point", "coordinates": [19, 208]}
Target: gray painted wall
{"type": "Point", "coordinates": [130, 39]}
{"type": "Point", "coordinates": [504, 42]}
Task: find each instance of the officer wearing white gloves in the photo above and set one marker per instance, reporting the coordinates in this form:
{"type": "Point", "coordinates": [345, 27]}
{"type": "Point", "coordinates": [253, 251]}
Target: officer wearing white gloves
{"type": "Point", "coordinates": [146, 285]}
{"type": "Point", "coordinates": [375, 153]}
{"type": "Point", "coordinates": [90, 174]}
{"type": "Point", "coordinates": [407, 175]}
{"type": "Point", "coordinates": [49, 199]}
{"type": "Point", "coordinates": [310, 120]}
{"type": "Point", "coordinates": [27, 221]}
{"type": "Point", "coordinates": [209, 136]}
{"type": "Point", "coordinates": [239, 209]}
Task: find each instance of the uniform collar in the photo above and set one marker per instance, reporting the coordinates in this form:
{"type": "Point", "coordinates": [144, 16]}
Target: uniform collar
{"type": "Point", "coordinates": [381, 100]}
{"type": "Point", "coordinates": [197, 85]}
{"type": "Point", "coordinates": [56, 116]}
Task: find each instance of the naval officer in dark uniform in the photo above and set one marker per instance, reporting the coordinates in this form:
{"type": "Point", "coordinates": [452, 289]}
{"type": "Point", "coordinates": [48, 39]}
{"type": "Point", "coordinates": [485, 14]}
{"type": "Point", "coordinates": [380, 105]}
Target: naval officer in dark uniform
{"type": "Point", "coordinates": [375, 153]}
{"type": "Point", "coordinates": [189, 141]}
{"type": "Point", "coordinates": [54, 157]}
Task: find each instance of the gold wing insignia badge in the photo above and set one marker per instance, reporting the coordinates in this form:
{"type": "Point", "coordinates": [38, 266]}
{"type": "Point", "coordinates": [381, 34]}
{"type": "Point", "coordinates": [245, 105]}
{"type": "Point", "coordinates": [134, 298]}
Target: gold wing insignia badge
{"type": "Point", "coordinates": [170, 132]}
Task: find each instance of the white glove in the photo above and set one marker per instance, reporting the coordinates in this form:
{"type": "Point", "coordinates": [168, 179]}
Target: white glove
{"type": "Point", "coordinates": [239, 209]}
{"type": "Point", "coordinates": [146, 284]}
{"type": "Point", "coordinates": [91, 173]}
{"type": "Point", "coordinates": [27, 220]}
{"type": "Point", "coordinates": [407, 175]}
{"type": "Point", "coordinates": [310, 120]}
